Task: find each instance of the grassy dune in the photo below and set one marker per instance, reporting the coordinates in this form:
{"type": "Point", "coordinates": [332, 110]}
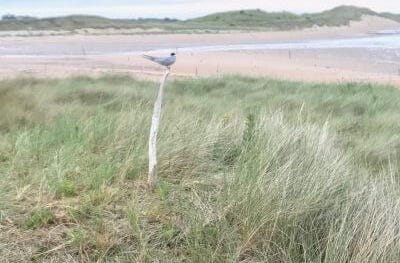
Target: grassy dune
{"type": "Point", "coordinates": [235, 20]}
{"type": "Point", "coordinates": [251, 170]}
{"type": "Point", "coordinates": [259, 19]}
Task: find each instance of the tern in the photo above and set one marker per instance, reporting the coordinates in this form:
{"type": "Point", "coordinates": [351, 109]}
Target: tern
{"type": "Point", "coordinates": [163, 61]}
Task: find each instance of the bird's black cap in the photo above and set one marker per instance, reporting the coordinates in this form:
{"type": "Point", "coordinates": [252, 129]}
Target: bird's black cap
{"type": "Point", "coordinates": [173, 54]}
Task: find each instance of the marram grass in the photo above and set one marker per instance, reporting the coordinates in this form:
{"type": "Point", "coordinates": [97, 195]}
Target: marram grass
{"type": "Point", "coordinates": [251, 170]}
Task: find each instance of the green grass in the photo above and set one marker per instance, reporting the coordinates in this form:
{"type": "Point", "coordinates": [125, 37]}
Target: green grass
{"type": "Point", "coordinates": [257, 20]}
{"type": "Point", "coordinates": [251, 170]}
{"type": "Point", "coordinates": [40, 218]}
{"type": "Point", "coordinates": [394, 17]}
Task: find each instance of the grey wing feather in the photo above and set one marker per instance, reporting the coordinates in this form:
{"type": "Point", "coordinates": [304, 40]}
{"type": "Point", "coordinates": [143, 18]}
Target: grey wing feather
{"type": "Point", "coordinates": [149, 57]}
{"type": "Point", "coordinates": [167, 61]}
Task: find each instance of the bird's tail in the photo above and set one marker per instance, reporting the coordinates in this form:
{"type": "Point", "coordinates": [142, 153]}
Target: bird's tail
{"type": "Point", "coordinates": [148, 57]}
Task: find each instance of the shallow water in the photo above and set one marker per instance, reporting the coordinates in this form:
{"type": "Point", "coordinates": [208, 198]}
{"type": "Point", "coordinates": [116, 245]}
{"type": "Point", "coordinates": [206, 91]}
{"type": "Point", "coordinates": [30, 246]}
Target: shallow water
{"type": "Point", "coordinates": [381, 41]}
{"type": "Point", "coordinates": [384, 40]}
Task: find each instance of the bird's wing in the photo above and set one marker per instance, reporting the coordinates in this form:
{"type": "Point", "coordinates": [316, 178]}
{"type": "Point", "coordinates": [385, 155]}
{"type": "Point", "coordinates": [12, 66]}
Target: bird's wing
{"type": "Point", "coordinates": [150, 57]}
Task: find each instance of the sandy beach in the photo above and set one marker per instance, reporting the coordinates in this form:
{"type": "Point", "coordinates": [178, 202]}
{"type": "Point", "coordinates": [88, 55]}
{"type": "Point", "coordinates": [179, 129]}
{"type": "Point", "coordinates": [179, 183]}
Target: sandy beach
{"type": "Point", "coordinates": [61, 56]}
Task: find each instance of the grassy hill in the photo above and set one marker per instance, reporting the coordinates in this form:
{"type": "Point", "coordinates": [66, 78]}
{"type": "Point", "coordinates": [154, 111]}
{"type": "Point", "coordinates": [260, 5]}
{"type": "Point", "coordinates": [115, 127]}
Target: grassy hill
{"type": "Point", "coordinates": [251, 170]}
{"type": "Point", "coordinates": [235, 20]}
{"type": "Point", "coordinates": [394, 17]}
{"type": "Point", "coordinates": [78, 22]}
{"type": "Point", "coordinates": [282, 20]}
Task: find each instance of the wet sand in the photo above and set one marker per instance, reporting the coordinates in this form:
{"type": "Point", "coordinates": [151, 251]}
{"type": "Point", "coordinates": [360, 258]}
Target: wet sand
{"type": "Point", "coordinates": [304, 65]}
{"type": "Point", "coordinates": [61, 56]}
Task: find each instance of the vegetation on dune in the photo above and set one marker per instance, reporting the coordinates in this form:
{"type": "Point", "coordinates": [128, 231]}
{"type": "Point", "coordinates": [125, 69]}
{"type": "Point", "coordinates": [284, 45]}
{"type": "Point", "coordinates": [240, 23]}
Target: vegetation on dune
{"type": "Point", "coordinates": [395, 17]}
{"type": "Point", "coordinates": [235, 20]}
{"type": "Point", "coordinates": [74, 22]}
{"type": "Point", "coordinates": [282, 20]}
{"type": "Point", "coordinates": [251, 170]}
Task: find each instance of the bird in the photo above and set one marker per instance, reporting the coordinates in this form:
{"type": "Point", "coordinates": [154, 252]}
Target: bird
{"type": "Point", "coordinates": [163, 61]}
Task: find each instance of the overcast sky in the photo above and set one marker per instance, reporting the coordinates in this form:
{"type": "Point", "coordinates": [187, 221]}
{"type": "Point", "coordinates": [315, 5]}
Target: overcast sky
{"type": "Point", "coordinates": [176, 8]}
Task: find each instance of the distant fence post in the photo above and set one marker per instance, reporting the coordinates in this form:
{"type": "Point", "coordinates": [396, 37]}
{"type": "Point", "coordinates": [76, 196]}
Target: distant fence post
{"type": "Point", "coordinates": [155, 122]}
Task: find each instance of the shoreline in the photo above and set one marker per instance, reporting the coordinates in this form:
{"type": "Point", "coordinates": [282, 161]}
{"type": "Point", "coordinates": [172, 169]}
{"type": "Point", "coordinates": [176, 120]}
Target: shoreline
{"type": "Point", "coordinates": [63, 56]}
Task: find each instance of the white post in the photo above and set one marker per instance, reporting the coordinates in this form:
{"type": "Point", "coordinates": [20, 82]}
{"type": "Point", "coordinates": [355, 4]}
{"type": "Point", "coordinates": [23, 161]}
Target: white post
{"type": "Point", "coordinates": [152, 178]}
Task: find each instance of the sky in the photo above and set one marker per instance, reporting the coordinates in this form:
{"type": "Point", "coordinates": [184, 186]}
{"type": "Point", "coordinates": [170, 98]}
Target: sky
{"type": "Point", "coordinates": [181, 9]}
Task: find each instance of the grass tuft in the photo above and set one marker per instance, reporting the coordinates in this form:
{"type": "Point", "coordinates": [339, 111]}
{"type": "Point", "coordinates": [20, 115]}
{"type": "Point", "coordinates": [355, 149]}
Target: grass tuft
{"type": "Point", "coordinates": [40, 218]}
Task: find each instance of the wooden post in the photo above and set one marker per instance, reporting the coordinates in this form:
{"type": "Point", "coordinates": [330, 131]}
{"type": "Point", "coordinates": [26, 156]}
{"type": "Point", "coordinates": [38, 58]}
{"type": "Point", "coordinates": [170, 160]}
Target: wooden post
{"type": "Point", "coordinates": [155, 122]}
